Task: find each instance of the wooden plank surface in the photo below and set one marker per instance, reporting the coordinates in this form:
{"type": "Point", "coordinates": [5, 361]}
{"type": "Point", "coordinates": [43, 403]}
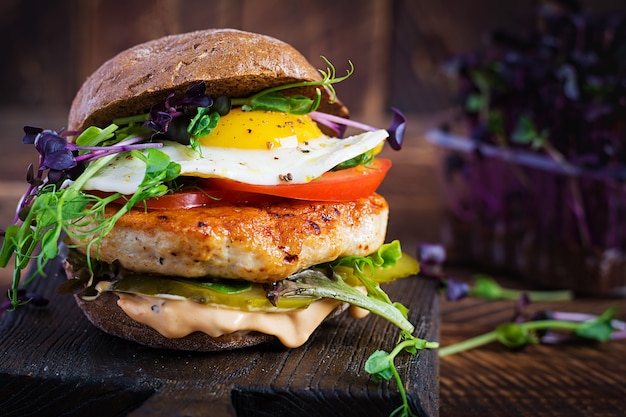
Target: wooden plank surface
{"type": "Point", "coordinates": [56, 363]}
{"type": "Point", "coordinates": [568, 380]}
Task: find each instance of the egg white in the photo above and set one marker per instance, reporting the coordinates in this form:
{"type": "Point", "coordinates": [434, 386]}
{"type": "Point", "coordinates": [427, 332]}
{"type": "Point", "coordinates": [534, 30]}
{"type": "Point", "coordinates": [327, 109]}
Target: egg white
{"type": "Point", "coordinates": [292, 162]}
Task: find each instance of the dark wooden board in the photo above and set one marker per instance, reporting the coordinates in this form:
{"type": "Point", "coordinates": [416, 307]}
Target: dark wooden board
{"type": "Point", "coordinates": [575, 379]}
{"type": "Point", "coordinates": [54, 362]}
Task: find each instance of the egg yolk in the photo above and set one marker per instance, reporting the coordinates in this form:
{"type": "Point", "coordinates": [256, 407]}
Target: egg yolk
{"type": "Point", "coordinates": [261, 130]}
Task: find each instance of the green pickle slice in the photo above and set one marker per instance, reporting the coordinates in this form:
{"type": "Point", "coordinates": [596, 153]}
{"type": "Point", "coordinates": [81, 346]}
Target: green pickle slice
{"type": "Point", "coordinates": [405, 266]}
{"type": "Point", "coordinates": [240, 295]}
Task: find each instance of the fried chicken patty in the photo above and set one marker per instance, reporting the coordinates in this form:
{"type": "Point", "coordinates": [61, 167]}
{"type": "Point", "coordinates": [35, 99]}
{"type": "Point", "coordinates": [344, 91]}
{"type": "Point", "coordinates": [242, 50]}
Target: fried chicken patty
{"type": "Point", "coordinates": [261, 243]}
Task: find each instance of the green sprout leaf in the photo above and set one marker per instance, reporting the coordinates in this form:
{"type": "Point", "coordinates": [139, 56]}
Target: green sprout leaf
{"type": "Point", "coordinates": [514, 335]}
{"type": "Point", "coordinates": [526, 133]}
{"type": "Point", "coordinates": [314, 283]}
{"type": "Point", "coordinates": [381, 365]}
{"type": "Point", "coordinates": [276, 101]}
{"type": "Point", "coordinates": [476, 102]}
{"type": "Point", "coordinates": [599, 329]}
{"type": "Point", "coordinates": [488, 288]}
{"type": "Point", "coordinates": [273, 98]}
{"type": "Point", "coordinates": [94, 136]}
{"type": "Point", "coordinates": [205, 120]}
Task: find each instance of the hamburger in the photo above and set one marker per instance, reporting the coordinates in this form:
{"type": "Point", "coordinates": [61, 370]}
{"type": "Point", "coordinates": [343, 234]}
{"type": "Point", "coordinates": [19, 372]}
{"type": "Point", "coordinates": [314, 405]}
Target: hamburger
{"type": "Point", "coordinates": [207, 199]}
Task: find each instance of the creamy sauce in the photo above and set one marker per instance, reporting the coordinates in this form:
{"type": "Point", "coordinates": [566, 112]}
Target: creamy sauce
{"type": "Point", "coordinates": [178, 318]}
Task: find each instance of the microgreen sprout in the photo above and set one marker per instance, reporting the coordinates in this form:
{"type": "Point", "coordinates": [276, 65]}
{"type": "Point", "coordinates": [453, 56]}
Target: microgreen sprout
{"type": "Point", "coordinates": [552, 337]}
{"type": "Point", "coordinates": [23, 297]}
{"type": "Point", "coordinates": [432, 257]}
{"type": "Point", "coordinates": [273, 99]}
{"type": "Point", "coordinates": [162, 114]}
{"type": "Point", "coordinates": [486, 287]}
{"type": "Point", "coordinates": [517, 335]}
{"type": "Point", "coordinates": [542, 327]}
{"type": "Point", "coordinates": [381, 366]}
{"type": "Point", "coordinates": [396, 128]}
{"type": "Point", "coordinates": [54, 202]}
{"type": "Point", "coordinates": [543, 99]}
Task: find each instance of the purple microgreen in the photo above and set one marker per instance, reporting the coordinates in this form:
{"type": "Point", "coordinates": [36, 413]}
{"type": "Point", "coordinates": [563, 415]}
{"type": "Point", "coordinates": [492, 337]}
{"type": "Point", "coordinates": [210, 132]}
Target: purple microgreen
{"type": "Point", "coordinates": [159, 120]}
{"type": "Point", "coordinates": [396, 129]}
{"type": "Point", "coordinates": [455, 290]}
{"type": "Point", "coordinates": [431, 257]}
{"type": "Point", "coordinates": [52, 205]}
{"type": "Point", "coordinates": [520, 304]}
{"type": "Point", "coordinates": [194, 97]}
{"type": "Point", "coordinates": [123, 146]}
{"type": "Point", "coordinates": [30, 134]}
{"type": "Point", "coordinates": [335, 123]}
{"type": "Point", "coordinates": [162, 114]}
{"type": "Point", "coordinates": [549, 96]}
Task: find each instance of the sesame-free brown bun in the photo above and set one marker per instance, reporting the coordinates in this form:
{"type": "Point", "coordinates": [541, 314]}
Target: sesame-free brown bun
{"type": "Point", "coordinates": [230, 62]}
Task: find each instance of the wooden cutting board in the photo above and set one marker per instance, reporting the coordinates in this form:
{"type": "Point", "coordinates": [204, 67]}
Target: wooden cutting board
{"type": "Point", "coordinates": [55, 363]}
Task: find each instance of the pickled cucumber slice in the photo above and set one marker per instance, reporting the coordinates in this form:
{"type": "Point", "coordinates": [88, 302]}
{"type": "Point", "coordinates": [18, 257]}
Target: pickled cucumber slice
{"type": "Point", "coordinates": [240, 295]}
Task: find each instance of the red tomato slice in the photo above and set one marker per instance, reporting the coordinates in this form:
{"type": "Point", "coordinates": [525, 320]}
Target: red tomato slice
{"type": "Point", "coordinates": [198, 198]}
{"type": "Point", "coordinates": [344, 185]}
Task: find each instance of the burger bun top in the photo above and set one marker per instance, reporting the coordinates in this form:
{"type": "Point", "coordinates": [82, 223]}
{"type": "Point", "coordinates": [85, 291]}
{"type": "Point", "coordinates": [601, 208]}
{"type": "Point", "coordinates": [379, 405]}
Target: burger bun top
{"type": "Point", "coordinates": [230, 62]}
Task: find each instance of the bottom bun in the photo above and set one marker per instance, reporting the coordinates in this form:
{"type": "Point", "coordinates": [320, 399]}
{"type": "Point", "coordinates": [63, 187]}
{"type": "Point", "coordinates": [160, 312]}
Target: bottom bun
{"type": "Point", "coordinates": [104, 313]}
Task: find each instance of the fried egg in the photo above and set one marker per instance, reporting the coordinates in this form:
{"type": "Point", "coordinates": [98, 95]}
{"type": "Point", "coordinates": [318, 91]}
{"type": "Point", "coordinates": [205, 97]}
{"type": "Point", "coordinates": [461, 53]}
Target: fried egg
{"type": "Point", "coordinates": [255, 147]}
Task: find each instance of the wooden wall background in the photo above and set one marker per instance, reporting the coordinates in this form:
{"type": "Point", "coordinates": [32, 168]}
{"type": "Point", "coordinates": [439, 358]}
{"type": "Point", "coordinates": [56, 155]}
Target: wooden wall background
{"type": "Point", "coordinates": [396, 45]}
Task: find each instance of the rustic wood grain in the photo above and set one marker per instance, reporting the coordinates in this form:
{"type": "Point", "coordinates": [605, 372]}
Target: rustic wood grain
{"type": "Point", "coordinates": [56, 363]}
{"type": "Point", "coordinates": [568, 380]}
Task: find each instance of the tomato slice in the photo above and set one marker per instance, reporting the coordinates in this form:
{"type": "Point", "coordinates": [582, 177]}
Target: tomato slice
{"type": "Point", "coordinates": [199, 198]}
{"type": "Point", "coordinates": [344, 185]}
